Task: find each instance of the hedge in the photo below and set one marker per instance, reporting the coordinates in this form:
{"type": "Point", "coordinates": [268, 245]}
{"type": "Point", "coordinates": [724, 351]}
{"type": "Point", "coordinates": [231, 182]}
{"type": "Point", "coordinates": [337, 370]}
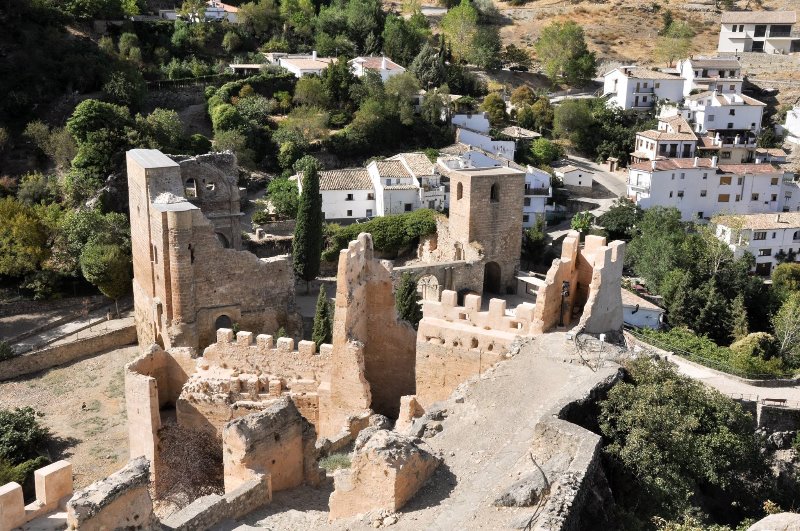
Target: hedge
{"type": "Point", "coordinates": [389, 233]}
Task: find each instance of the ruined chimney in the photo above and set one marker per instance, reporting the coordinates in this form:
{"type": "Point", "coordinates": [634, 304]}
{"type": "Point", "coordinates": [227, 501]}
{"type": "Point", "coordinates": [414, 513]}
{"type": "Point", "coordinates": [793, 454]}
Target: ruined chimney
{"type": "Point", "coordinates": [384, 64]}
{"type": "Point", "coordinates": [314, 55]}
{"type": "Point", "coordinates": [714, 161]}
{"type": "Point", "coordinates": [696, 162]}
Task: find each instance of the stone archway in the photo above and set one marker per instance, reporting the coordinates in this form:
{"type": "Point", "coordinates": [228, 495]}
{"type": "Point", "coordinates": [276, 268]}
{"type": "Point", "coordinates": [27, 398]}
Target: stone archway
{"type": "Point", "coordinates": [223, 240]}
{"type": "Point", "coordinates": [492, 278]}
{"type": "Point", "coordinates": [428, 288]}
{"type": "Point", "coordinates": [223, 321]}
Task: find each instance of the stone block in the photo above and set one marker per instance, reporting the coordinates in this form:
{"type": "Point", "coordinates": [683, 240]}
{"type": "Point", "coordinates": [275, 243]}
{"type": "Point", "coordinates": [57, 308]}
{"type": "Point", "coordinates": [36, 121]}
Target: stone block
{"type": "Point", "coordinates": [265, 341]}
{"type": "Point", "coordinates": [275, 387]}
{"type": "Point", "coordinates": [325, 349]}
{"type": "Point", "coordinates": [497, 308]}
{"type": "Point", "coordinates": [53, 483]}
{"type": "Point", "coordinates": [244, 339]}
{"type": "Point", "coordinates": [224, 335]}
{"type": "Point", "coordinates": [472, 302]}
{"type": "Point", "coordinates": [449, 298]}
{"type": "Point", "coordinates": [12, 506]}
{"type": "Point", "coordinates": [285, 344]}
{"type": "Point", "coordinates": [307, 347]}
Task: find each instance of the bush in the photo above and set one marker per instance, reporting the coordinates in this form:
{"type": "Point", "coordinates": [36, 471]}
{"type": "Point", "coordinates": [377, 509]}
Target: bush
{"type": "Point", "coordinates": [22, 437]}
{"type": "Point", "coordinates": [758, 344]}
{"type": "Point", "coordinates": [335, 462]}
{"type": "Point", "coordinates": [6, 352]}
{"type": "Point", "coordinates": [260, 217]}
{"type": "Point", "coordinates": [389, 233]}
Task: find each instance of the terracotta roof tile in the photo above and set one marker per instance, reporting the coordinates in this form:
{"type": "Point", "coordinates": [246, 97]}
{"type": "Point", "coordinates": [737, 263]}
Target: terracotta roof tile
{"type": "Point", "coordinates": [345, 179]}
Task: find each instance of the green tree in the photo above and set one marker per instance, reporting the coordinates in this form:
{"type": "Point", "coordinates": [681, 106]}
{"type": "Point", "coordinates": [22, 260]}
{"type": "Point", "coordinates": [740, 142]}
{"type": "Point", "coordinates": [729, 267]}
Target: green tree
{"type": "Point", "coordinates": [401, 89]}
{"type": "Point", "coordinates": [23, 238]}
{"type": "Point", "coordinates": [486, 48]}
{"type": "Point", "coordinates": [515, 57]}
{"type": "Point", "coordinates": [619, 221]}
{"type": "Point", "coordinates": [666, 21]}
{"type": "Point", "coordinates": [658, 246]}
{"type": "Point", "coordinates": [572, 119]}
{"type": "Point", "coordinates": [22, 436]}
{"type": "Point", "coordinates": [307, 242]}
{"type": "Point", "coordinates": [714, 318]}
{"type": "Point", "coordinates": [543, 113]}
{"type": "Point", "coordinates": [786, 278]}
{"type": "Point", "coordinates": [495, 109]}
{"type": "Point", "coordinates": [675, 42]}
{"type": "Point", "coordinates": [310, 91]}
{"type": "Point", "coordinates": [108, 267]}
{"type": "Point", "coordinates": [582, 222]}
{"type": "Point", "coordinates": [91, 116]}
{"type": "Point", "coordinates": [739, 318]}
{"type": "Point", "coordinates": [429, 67]}
{"type": "Point", "coordinates": [193, 10]}
{"type": "Point", "coordinates": [406, 300]}
{"type": "Point", "coordinates": [676, 446]}
{"type": "Point", "coordinates": [231, 41]}
{"type": "Point", "coordinates": [786, 324]}
{"type": "Point", "coordinates": [544, 152]}
{"type": "Point", "coordinates": [402, 41]}
{"type": "Point", "coordinates": [284, 197]}
{"type": "Point", "coordinates": [523, 95]}
{"type": "Point", "coordinates": [460, 26]}
{"type": "Point", "coordinates": [323, 319]}
{"type": "Point", "coordinates": [562, 50]}
{"type": "Point", "coordinates": [259, 19]}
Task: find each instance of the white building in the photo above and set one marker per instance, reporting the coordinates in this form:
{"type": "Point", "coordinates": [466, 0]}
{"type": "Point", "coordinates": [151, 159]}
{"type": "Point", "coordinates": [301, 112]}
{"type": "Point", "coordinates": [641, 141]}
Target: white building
{"type": "Point", "coordinates": [640, 312]}
{"type": "Point", "coordinates": [769, 237]}
{"type": "Point", "coordinates": [347, 194]}
{"type": "Point", "coordinates": [214, 11]}
{"type": "Point", "coordinates": [791, 126]}
{"type": "Point", "coordinates": [757, 31]}
{"type": "Point", "coordinates": [430, 189]}
{"type": "Point", "coordinates": [473, 130]}
{"type": "Point", "coordinates": [672, 138]}
{"type": "Point", "coordinates": [723, 74]}
{"type": "Point", "coordinates": [572, 175]}
{"type": "Point", "coordinates": [383, 66]}
{"type": "Point", "coordinates": [727, 113]}
{"type": "Point", "coordinates": [633, 87]}
{"type": "Point", "coordinates": [701, 188]}
{"type": "Point", "coordinates": [304, 65]}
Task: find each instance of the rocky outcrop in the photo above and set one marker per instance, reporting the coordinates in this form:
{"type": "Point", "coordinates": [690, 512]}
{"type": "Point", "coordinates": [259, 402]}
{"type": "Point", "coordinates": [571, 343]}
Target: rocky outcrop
{"type": "Point", "coordinates": [121, 501]}
{"type": "Point", "coordinates": [386, 472]}
{"type": "Point", "coordinates": [777, 522]}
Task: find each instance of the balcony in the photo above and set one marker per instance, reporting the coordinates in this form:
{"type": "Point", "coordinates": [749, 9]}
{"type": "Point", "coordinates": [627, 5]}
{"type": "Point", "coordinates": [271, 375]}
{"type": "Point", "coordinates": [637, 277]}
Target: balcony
{"type": "Point", "coordinates": [644, 90]}
{"type": "Point", "coordinates": [638, 188]}
{"type": "Point", "coordinates": [539, 191]}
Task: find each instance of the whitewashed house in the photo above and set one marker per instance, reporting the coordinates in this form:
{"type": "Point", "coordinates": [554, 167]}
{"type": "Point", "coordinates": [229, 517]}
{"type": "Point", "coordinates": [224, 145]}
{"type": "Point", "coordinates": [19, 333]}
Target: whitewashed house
{"type": "Point", "coordinates": [791, 126]}
{"type": "Point", "coordinates": [633, 87]}
{"type": "Point", "coordinates": [769, 237]}
{"type": "Point", "coordinates": [701, 188]}
{"type": "Point", "coordinates": [672, 138]}
{"type": "Point", "coordinates": [347, 194]}
{"type": "Point", "coordinates": [304, 65]}
{"type": "Point", "coordinates": [640, 312]}
{"type": "Point", "coordinates": [214, 11]}
{"type": "Point", "coordinates": [573, 176]}
{"type": "Point", "coordinates": [383, 66]}
{"type": "Point", "coordinates": [473, 130]}
{"type": "Point", "coordinates": [722, 74]}
{"type": "Point", "coordinates": [758, 31]}
{"type": "Point", "coordinates": [430, 188]}
{"type": "Point", "coordinates": [395, 188]}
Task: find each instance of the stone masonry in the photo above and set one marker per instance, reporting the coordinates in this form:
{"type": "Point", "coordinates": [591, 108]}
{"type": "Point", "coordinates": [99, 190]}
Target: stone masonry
{"type": "Point", "coordinates": [186, 282]}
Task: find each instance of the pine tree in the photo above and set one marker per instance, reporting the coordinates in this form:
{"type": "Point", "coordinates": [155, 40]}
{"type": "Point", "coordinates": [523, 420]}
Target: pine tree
{"type": "Point", "coordinates": [323, 319]}
{"type": "Point", "coordinates": [407, 300]}
{"type": "Point", "coordinates": [739, 318]}
{"type": "Point", "coordinates": [307, 243]}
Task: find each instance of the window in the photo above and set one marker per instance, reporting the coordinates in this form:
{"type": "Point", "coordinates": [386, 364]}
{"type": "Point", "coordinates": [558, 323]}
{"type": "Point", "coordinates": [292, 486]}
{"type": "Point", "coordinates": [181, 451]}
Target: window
{"type": "Point", "coordinates": [527, 201]}
{"type": "Point", "coordinates": [730, 125]}
{"type": "Point", "coordinates": [710, 117]}
{"type": "Point", "coordinates": [723, 198]}
{"type": "Point", "coordinates": [658, 85]}
{"type": "Point", "coordinates": [703, 193]}
{"type": "Point", "coordinates": [369, 213]}
{"type": "Point", "coordinates": [774, 234]}
{"type": "Point", "coordinates": [644, 99]}
{"type": "Point", "coordinates": [754, 197]}
{"type": "Point", "coordinates": [705, 175]}
{"type": "Point", "coordinates": [349, 197]}
{"type": "Point", "coordinates": [673, 176]}
{"type": "Point", "coordinates": [680, 193]}
{"type": "Point", "coordinates": [773, 181]}
{"type": "Point", "coordinates": [732, 87]}
{"type": "Point", "coordinates": [662, 148]}
{"type": "Point", "coordinates": [725, 154]}
{"type": "Point", "coordinates": [349, 213]}
{"type": "Point", "coordinates": [738, 198]}
{"type": "Point", "coordinates": [459, 190]}
{"type": "Point", "coordinates": [525, 218]}
{"type": "Point", "coordinates": [773, 197]}
{"type": "Point", "coordinates": [725, 179]}
{"type": "Point", "coordinates": [760, 235]}
{"type": "Point", "coordinates": [370, 196]}
{"type": "Point", "coordinates": [796, 236]}
{"type": "Point", "coordinates": [407, 207]}
{"type": "Point", "coordinates": [494, 195]}
{"type": "Point", "coordinates": [765, 252]}
{"type": "Point", "coordinates": [732, 112]}
{"type": "Point", "coordinates": [700, 215]}
{"type": "Point", "coordinates": [683, 175]}
{"type": "Point", "coordinates": [645, 84]}
{"type": "Point", "coordinates": [670, 193]}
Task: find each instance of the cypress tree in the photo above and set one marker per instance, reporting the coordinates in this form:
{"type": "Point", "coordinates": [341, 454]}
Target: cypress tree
{"type": "Point", "coordinates": [739, 316]}
{"type": "Point", "coordinates": [307, 243]}
{"type": "Point", "coordinates": [323, 319]}
{"type": "Point", "coordinates": [406, 300]}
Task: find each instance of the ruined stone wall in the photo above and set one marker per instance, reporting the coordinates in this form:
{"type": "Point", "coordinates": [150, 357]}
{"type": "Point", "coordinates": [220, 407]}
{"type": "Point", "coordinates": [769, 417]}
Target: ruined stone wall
{"type": "Point", "coordinates": [184, 278]}
{"type": "Point", "coordinates": [236, 377]}
{"type": "Point", "coordinates": [372, 363]}
{"type": "Point", "coordinates": [456, 276]}
{"type": "Point", "coordinates": [778, 418]}
{"type": "Point", "coordinates": [455, 342]}
{"type": "Point", "coordinates": [594, 273]}
{"type": "Point", "coordinates": [277, 442]}
{"type": "Point", "coordinates": [53, 485]}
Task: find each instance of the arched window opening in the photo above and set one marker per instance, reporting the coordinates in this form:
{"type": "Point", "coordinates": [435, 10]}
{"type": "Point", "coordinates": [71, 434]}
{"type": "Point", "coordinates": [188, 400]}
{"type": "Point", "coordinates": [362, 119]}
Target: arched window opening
{"type": "Point", "coordinates": [459, 191]}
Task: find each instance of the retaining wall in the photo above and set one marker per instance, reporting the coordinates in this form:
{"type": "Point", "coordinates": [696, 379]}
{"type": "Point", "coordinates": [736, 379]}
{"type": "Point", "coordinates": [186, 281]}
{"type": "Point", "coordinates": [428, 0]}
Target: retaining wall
{"type": "Point", "coordinates": [60, 354]}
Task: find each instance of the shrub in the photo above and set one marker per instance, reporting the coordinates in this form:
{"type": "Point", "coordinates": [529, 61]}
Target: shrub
{"type": "Point", "coordinates": [260, 217]}
{"type": "Point", "coordinates": [335, 462]}
{"type": "Point", "coordinates": [22, 437]}
{"type": "Point", "coordinates": [758, 344]}
{"type": "Point", "coordinates": [6, 352]}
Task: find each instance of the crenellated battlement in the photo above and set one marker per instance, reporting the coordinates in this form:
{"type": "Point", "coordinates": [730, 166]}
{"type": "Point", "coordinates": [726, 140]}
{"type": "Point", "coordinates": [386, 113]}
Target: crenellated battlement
{"type": "Point", "coordinates": [495, 319]}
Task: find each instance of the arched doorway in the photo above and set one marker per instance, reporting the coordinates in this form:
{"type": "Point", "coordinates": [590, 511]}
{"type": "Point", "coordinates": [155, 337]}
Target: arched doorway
{"type": "Point", "coordinates": [223, 240]}
{"type": "Point", "coordinates": [223, 321]}
{"type": "Point", "coordinates": [491, 277]}
{"type": "Point", "coordinates": [428, 288]}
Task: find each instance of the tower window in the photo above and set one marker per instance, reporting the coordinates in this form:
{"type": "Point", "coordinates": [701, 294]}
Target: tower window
{"type": "Point", "coordinates": [494, 195]}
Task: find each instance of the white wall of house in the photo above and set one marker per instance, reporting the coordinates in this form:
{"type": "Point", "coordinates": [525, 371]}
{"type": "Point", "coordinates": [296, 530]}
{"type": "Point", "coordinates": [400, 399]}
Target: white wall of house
{"type": "Point", "coordinates": [791, 126]}
{"type": "Point", "coordinates": [742, 38]}
{"type": "Point", "coordinates": [724, 80]}
{"type": "Point", "coordinates": [577, 177]}
{"type": "Point", "coordinates": [704, 193]}
{"type": "Point", "coordinates": [501, 148]}
{"type": "Point", "coordinates": [639, 93]}
{"type": "Point", "coordinates": [763, 244]}
{"type": "Point", "coordinates": [475, 122]}
{"type": "Point", "coordinates": [348, 204]}
{"type": "Point", "coordinates": [708, 113]}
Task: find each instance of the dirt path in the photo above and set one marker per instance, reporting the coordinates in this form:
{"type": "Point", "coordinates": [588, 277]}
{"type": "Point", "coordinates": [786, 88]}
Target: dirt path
{"type": "Point", "coordinates": [84, 406]}
{"type": "Point", "coordinates": [482, 441]}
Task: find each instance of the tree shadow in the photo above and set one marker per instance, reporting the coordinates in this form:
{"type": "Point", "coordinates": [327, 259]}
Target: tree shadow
{"type": "Point", "coordinates": [61, 447]}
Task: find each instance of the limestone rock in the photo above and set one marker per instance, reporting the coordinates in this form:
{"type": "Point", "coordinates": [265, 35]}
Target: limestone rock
{"type": "Point", "coordinates": [386, 471]}
{"type": "Point", "coordinates": [121, 501]}
{"type": "Point", "coordinates": [778, 522]}
{"type": "Point", "coordinates": [524, 493]}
